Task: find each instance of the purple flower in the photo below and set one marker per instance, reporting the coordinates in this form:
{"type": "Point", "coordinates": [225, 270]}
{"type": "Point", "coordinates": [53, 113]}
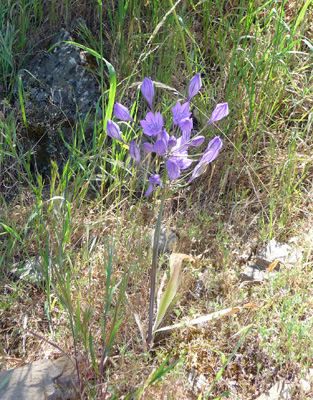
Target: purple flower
{"type": "Point", "coordinates": [114, 131]}
{"type": "Point", "coordinates": [180, 112]}
{"type": "Point", "coordinates": [153, 124]}
{"type": "Point", "coordinates": [178, 159]}
{"type": "Point", "coordinates": [186, 124]}
{"type": "Point", "coordinates": [154, 180]}
{"type": "Point", "coordinates": [221, 111]}
{"type": "Point", "coordinates": [134, 151]}
{"type": "Point", "coordinates": [122, 112]}
{"type": "Point", "coordinates": [208, 156]}
{"type": "Point", "coordinates": [194, 86]}
{"type": "Point", "coordinates": [161, 145]}
{"type": "Point", "coordinates": [147, 90]}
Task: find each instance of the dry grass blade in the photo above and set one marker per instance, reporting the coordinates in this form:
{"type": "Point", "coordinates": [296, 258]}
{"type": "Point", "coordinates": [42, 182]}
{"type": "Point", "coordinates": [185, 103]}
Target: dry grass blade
{"type": "Point", "coordinates": [227, 312]}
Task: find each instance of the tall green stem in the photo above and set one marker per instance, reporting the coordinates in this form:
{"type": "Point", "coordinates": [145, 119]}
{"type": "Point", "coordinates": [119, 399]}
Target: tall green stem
{"type": "Point", "coordinates": [154, 266]}
{"type": "Point", "coordinates": [181, 33]}
{"type": "Point", "coordinates": [102, 64]}
{"type": "Point", "coordinates": [182, 39]}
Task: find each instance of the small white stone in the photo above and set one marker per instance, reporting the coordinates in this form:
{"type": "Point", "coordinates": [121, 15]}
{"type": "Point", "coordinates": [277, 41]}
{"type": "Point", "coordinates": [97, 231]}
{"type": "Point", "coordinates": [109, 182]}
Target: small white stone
{"type": "Point", "coordinates": [305, 385]}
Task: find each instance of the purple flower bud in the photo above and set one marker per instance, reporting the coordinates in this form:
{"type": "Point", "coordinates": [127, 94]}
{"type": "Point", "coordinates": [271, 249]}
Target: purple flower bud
{"type": "Point", "coordinates": [212, 150]}
{"type": "Point", "coordinates": [147, 90]}
{"type": "Point", "coordinates": [134, 151]}
{"type": "Point", "coordinates": [194, 86]}
{"type": "Point", "coordinates": [147, 147]}
{"type": "Point", "coordinates": [172, 169]}
{"type": "Point", "coordinates": [208, 156]}
{"type": "Point", "coordinates": [197, 141]}
{"type": "Point", "coordinates": [221, 111]}
{"type": "Point", "coordinates": [180, 112]}
{"type": "Point", "coordinates": [113, 131]}
{"type": "Point", "coordinates": [122, 112]}
{"type": "Point", "coordinates": [186, 124]}
{"type": "Point", "coordinates": [154, 180]}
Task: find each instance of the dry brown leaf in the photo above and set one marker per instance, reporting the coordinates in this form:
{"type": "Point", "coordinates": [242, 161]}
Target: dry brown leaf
{"type": "Point", "coordinates": [250, 305]}
{"type": "Point", "coordinates": [272, 266]}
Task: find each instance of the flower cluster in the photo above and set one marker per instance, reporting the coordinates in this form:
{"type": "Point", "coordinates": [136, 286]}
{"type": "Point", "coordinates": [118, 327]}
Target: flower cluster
{"type": "Point", "coordinates": [174, 151]}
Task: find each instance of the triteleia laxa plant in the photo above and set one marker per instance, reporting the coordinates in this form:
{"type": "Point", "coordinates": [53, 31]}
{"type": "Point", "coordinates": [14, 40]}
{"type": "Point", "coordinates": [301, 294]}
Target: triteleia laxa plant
{"type": "Point", "coordinates": [172, 151]}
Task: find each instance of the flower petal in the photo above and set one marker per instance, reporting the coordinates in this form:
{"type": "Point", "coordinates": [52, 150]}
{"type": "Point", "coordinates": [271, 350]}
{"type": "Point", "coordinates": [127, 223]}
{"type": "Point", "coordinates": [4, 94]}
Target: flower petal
{"type": "Point", "coordinates": [197, 141]}
{"type": "Point", "coordinates": [212, 150]}
{"type": "Point", "coordinates": [122, 112]}
{"type": "Point", "coordinates": [160, 147]}
{"type": "Point", "coordinates": [194, 86]}
{"type": "Point", "coordinates": [172, 169]}
{"type": "Point", "coordinates": [221, 111]}
{"type": "Point", "coordinates": [172, 142]}
{"type": "Point", "coordinates": [185, 137]}
{"type": "Point", "coordinates": [209, 155]}
{"type": "Point", "coordinates": [180, 112]}
{"type": "Point", "coordinates": [186, 124]}
{"type": "Point", "coordinates": [134, 151]}
{"type": "Point", "coordinates": [149, 190]}
{"type": "Point", "coordinates": [147, 147]}
{"type": "Point", "coordinates": [113, 131]}
{"type": "Point", "coordinates": [199, 169]}
{"type": "Point", "coordinates": [147, 90]}
{"type": "Point", "coordinates": [154, 180]}
{"type": "Point", "coordinates": [184, 162]}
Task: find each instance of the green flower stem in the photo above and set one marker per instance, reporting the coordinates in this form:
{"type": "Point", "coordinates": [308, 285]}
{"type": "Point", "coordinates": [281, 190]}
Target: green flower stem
{"type": "Point", "coordinates": [155, 260]}
{"type": "Point", "coordinates": [182, 39]}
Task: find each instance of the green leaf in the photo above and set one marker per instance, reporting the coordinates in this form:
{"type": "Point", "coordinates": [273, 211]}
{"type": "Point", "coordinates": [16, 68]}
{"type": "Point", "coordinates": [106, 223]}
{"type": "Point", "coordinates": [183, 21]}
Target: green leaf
{"type": "Point", "coordinates": [20, 89]}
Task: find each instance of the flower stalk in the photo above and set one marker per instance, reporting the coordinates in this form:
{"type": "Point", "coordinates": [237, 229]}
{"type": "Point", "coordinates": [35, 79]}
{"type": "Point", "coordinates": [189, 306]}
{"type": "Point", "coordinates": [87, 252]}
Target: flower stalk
{"type": "Point", "coordinates": [154, 267]}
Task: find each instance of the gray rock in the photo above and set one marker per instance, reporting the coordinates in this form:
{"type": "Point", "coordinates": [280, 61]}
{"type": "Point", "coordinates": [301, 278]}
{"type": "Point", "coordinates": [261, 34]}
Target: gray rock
{"type": "Point", "coordinates": [32, 270]}
{"type": "Point", "coordinates": [43, 379]}
{"type": "Point", "coordinates": [198, 290]}
{"type": "Point", "coordinates": [307, 383]}
{"type": "Point", "coordinates": [198, 382]}
{"type": "Point", "coordinates": [167, 240]}
{"type": "Point", "coordinates": [272, 252]}
{"type": "Point", "coordinates": [280, 391]}
{"type": "Point", "coordinates": [253, 273]}
{"type": "Point", "coordinates": [278, 251]}
{"type": "Point", "coordinates": [59, 90]}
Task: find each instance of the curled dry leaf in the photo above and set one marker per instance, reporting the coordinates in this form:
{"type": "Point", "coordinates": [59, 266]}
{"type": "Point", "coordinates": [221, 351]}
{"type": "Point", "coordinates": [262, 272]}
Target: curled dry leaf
{"type": "Point", "coordinates": [176, 261]}
{"type": "Point", "coordinates": [272, 266]}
